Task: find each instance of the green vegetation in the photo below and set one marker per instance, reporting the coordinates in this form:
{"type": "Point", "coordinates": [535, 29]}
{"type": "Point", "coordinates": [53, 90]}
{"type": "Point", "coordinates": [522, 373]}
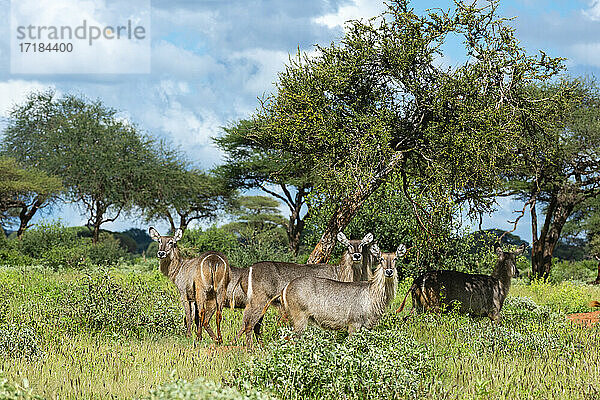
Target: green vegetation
{"type": "Point", "coordinates": [120, 333]}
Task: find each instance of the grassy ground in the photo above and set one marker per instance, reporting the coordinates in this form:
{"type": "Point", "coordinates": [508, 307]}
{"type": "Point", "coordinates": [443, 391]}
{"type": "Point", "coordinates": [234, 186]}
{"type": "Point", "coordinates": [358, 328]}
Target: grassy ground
{"type": "Point", "coordinates": [135, 342]}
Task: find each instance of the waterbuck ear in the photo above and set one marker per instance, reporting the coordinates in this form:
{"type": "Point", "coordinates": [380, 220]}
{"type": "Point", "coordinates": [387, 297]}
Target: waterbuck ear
{"type": "Point", "coordinates": [342, 239]}
{"type": "Point", "coordinates": [178, 235]}
{"type": "Point", "coordinates": [375, 251]}
{"type": "Point", "coordinates": [367, 239]}
{"type": "Point", "coordinates": [401, 250]}
{"type": "Point", "coordinates": [154, 234]}
{"type": "Point", "coordinates": [521, 249]}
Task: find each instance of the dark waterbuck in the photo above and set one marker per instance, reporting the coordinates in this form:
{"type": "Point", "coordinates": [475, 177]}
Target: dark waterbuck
{"type": "Point", "coordinates": [476, 294]}
{"type": "Point", "coordinates": [343, 305]}
{"type": "Point", "coordinates": [266, 279]}
{"type": "Point", "coordinates": [201, 282]}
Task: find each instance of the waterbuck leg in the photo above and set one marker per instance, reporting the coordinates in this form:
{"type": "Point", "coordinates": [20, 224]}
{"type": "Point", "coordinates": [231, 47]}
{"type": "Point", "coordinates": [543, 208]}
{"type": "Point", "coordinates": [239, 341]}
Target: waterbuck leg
{"type": "Point", "coordinates": [187, 319]}
{"type": "Point", "coordinates": [218, 320]}
{"type": "Point", "coordinates": [210, 310]}
{"type": "Point", "coordinates": [257, 328]}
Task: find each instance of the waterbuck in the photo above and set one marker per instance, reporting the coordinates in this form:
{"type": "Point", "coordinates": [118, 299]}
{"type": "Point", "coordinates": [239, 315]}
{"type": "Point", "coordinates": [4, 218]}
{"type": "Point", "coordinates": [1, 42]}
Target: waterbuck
{"type": "Point", "coordinates": [201, 281]}
{"type": "Point", "coordinates": [476, 294]}
{"type": "Point", "coordinates": [266, 279]}
{"type": "Point", "coordinates": [343, 305]}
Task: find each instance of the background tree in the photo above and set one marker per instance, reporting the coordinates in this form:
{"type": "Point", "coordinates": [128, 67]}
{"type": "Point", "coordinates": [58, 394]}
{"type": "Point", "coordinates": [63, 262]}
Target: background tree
{"type": "Point", "coordinates": [558, 164]}
{"type": "Point", "coordinates": [250, 164]}
{"type": "Point", "coordinates": [33, 116]}
{"type": "Point", "coordinates": [181, 195]}
{"type": "Point", "coordinates": [102, 160]}
{"type": "Point", "coordinates": [25, 191]}
{"type": "Point", "coordinates": [380, 104]}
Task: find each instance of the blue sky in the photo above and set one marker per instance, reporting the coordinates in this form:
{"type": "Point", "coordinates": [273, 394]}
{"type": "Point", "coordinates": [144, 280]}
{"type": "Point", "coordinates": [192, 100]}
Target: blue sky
{"type": "Point", "coordinates": [211, 59]}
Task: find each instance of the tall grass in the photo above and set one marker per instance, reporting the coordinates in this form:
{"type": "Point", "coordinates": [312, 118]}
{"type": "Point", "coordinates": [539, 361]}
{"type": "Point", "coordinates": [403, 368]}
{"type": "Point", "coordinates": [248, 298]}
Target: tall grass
{"type": "Point", "coordinates": [49, 341]}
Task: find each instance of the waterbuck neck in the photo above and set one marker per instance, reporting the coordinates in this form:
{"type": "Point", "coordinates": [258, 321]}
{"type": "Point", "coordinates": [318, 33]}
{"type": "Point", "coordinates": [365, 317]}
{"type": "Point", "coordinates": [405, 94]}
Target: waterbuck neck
{"type": "Point", "coordinates": [171, 264]}
{"type": "Point", "coordinates": [502, 274]}
{"type": "Point", "coordinates": [382, 291]}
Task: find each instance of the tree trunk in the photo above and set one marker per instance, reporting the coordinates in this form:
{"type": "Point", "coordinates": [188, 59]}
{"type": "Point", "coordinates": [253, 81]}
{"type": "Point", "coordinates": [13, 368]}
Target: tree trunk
{"type": "Point", "coordinates": [558, 211]}
{"type": "Point", "coordinates": [296, 224]}
{"type": "Point", "coordinates": [597, 281]}
{"type": "Point", "coordinates": [26, 215]}
{"type": "Point", "coordinates": [340, 219]}
{"type": "Point", "coordinates": [97, 222]}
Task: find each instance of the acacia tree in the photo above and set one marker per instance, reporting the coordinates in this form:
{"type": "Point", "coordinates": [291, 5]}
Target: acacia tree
{"type": "Point", "coordinates": [558, 164]}
{"type": "Point", "coordinates": [34, 115]}
{"type": "Point", "coordinates": [25, 190]}
{"type": "Point", "coordinates": [181, 195]}
{"type": "Point", "coordinates": [251, 164]}
{"type": "Point", "coordinates": [380, 104]}
{"type": "Point", "coordinates": [101, 159]}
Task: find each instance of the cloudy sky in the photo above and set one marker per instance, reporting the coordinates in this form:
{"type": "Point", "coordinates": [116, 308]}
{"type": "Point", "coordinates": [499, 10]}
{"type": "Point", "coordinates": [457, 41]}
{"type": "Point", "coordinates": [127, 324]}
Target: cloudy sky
{"type": "Point", "coordinates": [209, 60]}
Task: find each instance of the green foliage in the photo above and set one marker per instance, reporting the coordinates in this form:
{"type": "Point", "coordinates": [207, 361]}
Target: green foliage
{"type": "Point", "coordinates": [102, 304]}
{"type": "Point", "coordinates": [202, 389]}
{"type": "Point", "coordinates": [98, 303]}
{"type": "Point", "coordinates": [101, 159]}
{"type": "Point", "coordinates": [566, 296]}
{"type": "Point", "coordinates": [57, 246]}
{"type": "Point", "coordinates": [323, 365]}
{"type": "Point", "coordinates": [14, 391]}
{"type": "Point", "coordinates": [19, 341]}
{"type": "Point", "coordinates": [243, 248]}
{"type": "Point", "coordinates": [580, 271]}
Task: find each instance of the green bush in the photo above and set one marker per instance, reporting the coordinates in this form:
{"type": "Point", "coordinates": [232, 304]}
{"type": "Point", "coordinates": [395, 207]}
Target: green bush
{"type": "Point", "coordinates": [102, 304]}
{"type": "Point", "coordinates": [242, 248]}
{"type": "Point", "coordinates": [581, 271]}
{"type": "Point", "coordinates": [13, 391]}
{"type": "Point", "coordinates": [46, 236]}
{"type": "Point", "coordinates": [19, 341]}
{"type": "Point", "coordinates": [202, 389]}
{"type": "Point", "coordinates": [57, 246]}
{"type": "Point", "coordinates": [379, 364]}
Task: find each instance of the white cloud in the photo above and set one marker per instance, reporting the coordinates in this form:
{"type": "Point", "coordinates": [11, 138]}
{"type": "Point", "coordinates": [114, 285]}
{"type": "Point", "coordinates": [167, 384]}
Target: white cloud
{"type": "Point", "coordinates": [359, 9]}
{"type": "Point", "coordinates": [84, 18]}
{"type": "Point", "coordinates": [13, 92]}
{"type": "Point", "coordinates": [586, 53]}
{"type": "Point", "coordinates": [168, 58]}
{"type": "Point", "coordinates": [593, 12]}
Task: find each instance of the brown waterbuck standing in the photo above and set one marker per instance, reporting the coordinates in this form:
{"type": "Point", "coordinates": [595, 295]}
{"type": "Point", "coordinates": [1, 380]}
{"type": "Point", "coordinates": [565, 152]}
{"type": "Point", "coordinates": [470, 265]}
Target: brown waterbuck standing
{"type": "Point", "coordinates": [201, 282]}
{"type": "Point", "coordinates": [343, 305]}
{"type": "Point", "coordinates": [266, 279]}
{"type": "Point", "coordinates": [476, 294]}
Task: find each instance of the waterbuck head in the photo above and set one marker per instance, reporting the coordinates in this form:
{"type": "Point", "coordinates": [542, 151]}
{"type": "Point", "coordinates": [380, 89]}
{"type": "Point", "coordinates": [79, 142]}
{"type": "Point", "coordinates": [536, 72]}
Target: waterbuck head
{"type": "Point", "coordinates": [507, 261]}
{"type": "Point", "coordinates": [166, 244]}
{"type": "Point", "coordinates": [357, 249]}
{"type": "Point", "coordinates": [387, 261]}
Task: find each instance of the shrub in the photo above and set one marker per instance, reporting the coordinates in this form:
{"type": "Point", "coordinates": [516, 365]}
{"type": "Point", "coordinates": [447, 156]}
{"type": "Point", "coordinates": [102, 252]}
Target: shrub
{"type": "Point", "coordinates": [101, 304]}
{"type": "Point", "coordinates": [13, 391]}
{"type": "Point", "coordinates": [566, 296]}
{"type": "Point", "coordinates": [367, 365]}
{"type": "Point", "coordinates": [202, 389]}
{"type": "Point", "coordinates": [46, 236]}
{"type": "Point", "coordinates": [582, 271]}
{"type": "Point", "coordinates": [18, 341]}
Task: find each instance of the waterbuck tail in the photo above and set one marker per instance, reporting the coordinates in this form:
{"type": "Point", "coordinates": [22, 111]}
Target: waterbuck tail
{"type": "Point", "coordinates": [269, 304]}
{"type": "Point", "coordinates": [595, 303]}
{"type": "Point", "coordinates": [412, 287]}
